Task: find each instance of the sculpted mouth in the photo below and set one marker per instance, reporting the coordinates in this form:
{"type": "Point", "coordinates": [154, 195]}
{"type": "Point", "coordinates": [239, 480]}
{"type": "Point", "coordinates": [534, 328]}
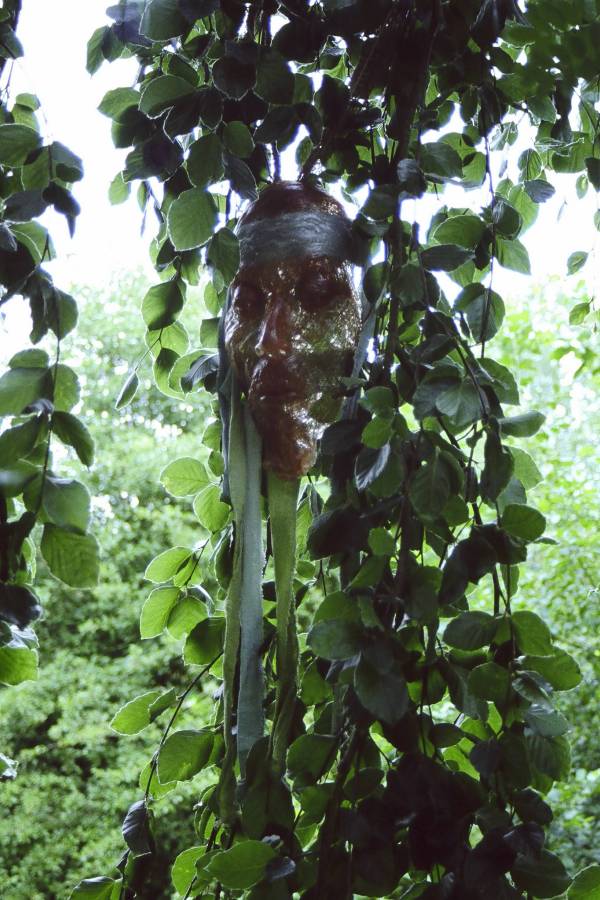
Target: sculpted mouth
{"type": "Point", "coordinates": [274, 394]}
{"type": "Point", "coordinates": [275, 382]}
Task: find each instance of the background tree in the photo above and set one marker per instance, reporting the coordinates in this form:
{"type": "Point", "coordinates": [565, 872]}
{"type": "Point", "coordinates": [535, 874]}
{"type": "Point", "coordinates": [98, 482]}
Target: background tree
{"type": "Point", "coordinates": [63, 812]}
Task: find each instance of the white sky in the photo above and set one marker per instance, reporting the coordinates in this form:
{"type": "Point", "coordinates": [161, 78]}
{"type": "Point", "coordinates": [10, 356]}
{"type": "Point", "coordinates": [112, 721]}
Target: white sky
{"type": "Point", "coordinates": [108, 238]}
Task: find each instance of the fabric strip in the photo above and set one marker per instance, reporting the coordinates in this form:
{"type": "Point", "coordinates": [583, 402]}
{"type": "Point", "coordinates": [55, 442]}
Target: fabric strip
{"type": "Point", "coordinates": [300, 234]}
{"type": "Point", "coordinates": [250, 716]}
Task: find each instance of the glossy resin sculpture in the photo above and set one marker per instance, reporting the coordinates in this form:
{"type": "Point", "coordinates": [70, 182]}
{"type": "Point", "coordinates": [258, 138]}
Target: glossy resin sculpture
{"type": "Point", "coordinates": [293, 320]}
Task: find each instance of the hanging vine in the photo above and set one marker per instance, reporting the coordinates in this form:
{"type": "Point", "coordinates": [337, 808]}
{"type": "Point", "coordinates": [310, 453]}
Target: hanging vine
{"type": "Point", "coordinates": [424, 733]}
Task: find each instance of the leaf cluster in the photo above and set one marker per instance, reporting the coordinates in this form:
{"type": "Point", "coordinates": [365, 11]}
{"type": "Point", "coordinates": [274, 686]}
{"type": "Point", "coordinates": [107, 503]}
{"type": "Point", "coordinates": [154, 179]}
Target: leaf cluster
{"type": "Point", "coordinates": [425, 729]}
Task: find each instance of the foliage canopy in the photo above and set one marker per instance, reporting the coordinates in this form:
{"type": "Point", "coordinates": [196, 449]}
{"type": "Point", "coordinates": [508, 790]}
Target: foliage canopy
{"type": "Point", "coordinates": [425, 730]}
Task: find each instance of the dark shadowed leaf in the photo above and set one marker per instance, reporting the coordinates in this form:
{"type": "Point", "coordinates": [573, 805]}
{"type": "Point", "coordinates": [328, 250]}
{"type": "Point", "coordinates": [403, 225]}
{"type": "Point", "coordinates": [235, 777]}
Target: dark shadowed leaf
{"type": "Point", "coordinates": [136, 829]}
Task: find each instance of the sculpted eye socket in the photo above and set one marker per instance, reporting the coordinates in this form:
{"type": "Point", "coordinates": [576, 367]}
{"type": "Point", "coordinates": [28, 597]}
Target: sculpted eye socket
{"type": "Point", "coordinates": [248, 300]}
{"type": "Point", "coordinates": [318, 289]}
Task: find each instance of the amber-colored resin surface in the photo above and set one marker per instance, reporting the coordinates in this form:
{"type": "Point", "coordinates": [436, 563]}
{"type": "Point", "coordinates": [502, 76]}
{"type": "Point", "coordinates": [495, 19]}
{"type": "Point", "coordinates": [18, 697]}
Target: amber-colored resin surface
{"type": "Point", "coordinates": [290, 331]}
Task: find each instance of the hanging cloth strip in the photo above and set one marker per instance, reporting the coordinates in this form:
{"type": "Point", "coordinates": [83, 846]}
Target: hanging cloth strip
{"type": "Point", "coordinates": [244, 617]}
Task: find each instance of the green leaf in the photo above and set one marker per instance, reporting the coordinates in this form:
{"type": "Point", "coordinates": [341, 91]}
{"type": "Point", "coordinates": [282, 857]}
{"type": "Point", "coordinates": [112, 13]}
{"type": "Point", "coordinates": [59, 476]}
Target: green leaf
{"type": "Point", "coordinates": [162, 20]}
{"type": "Point", "coordinates": [586, 885]}
{"type": "Point", "coordinates": [162, 92]}
{"type": "Point", "coordinates": [513, 255]}
{"type": "Point", "coordinates": [441, 159]}
{"type": "Point", "coordinates": [156, 611]}
{"type": "Point", "coordinates": [186, 614]}
{"type": "Point", "coordinates": [240, 176]}
{"type": "Point", "coordinates": [33, 358]}
{"type": "Point", "coordinates": [381, 542]}
{"type": "Point", "coordinates": [543, 876]}
{"type": "Point", "coordinates": [310, 757]}
{"type": "Point", "coordinates": [524, 425]}
{"type": "Point", "coordinates": [164, 566]}
{"type": "Point", "coordinates": [162, 304]}
{"type": "Point", "coordinates": [20, 440]}
{"type": "Point", "coordinates": [128, 391]}
{"type": "Point", "coordinates": [592, 165]}
{"type": "Point", "coordinates": [470, 630]}
{"type": "Point", "coordinates": [490, 681]}
{"type": "Point", "coordinates": [523, 522]}
{"type": "Point", "coordinates": [209, 332]}
{"type": "Point", "coordinates": [17, 664]}
{"type": "Point", "coordinates": [445, 257]}
{"type": "Point", "coordinates": [205, 642]}
{"type": "Point", "coordinates": [335, 639]}
{"type": "Point", "coordinates": [184, 754]}
{"type": "Point", "coordinates": [383, 694]}
{"type": "Point", "coordinates": [136, 829]}
{"type": "Point", "coordinates": [546, 722]}
{"type": "Point", "coordinates": [224, 253]}
{"type": "Point", "coordinates": [559, 669]}
{"type": "Point", "coordinates": [274, 78]}
{"type": "Point", "coordinates": [161, 370]}
{"type": "Point", "coordinates": [205, 161]}
{"type": "Point", "coordinates": [238, 139]}
{"type": "Point", "coordinates": [484, 311]}
{"type": "Point", "coordinates": [140, 712]}
{"type": "Point", "coordinates": [116, 102]}
{"type": "Point", "coordinates": [212, 513]}
{"type": "Point", "coordinates": [531, 808]}
{"type": "Point", "coordinates": [369, 574]}
{"type": "Point", "coordinates": [242, 866]}
{"type": "Point", "coordinates": [67, 503]}
{"type": "Point", "coordinates": [533, 635]}
{"type": "Point", "coordinates": [184, 476]}
{"type": "Point", "coordinates": [73, 432]}
{"type": "Point", "coordinates": [14, 478]}
{"type": "Point", "coordinates": [95, 56]}
{"type": "Point", "coordinates": [461, 402]}
{"type": "Point", "coordinates": [119, 190]}
{"type": "Point", "coordinates": [233, 77]}
{"type": "Point", "coordinates": [580, 312]}
{"type": "Point", "coordinates": [16, 143]}
{"type": "Point", "coordinates": [19, 387]}
{"type": "Point", "coordinates": [525, 468]}
{"type": "Point", "coordinates": [100, 888]}
{"type": "Point", "coordinates": [550, 755]}
{"type": "Point", "coordinates": [191, 219]}
{"type": "Point", "coordinates": [71, 557]}
{"type": "Point", "coordinates": [66, 388]}
{"type": "Point", "coordinates": [506, 218]}
{"type": "Point", "coordinates": [377, 433]}
{"type": "Point", "coordinates": [464, 230]}
{"type": "Point", "coordinates": [430, 487]}
{"type": "Point", "coordinates": [576, 261]}
{"type": "Point", "coordinates": [539, 190]}
{"type": "Point", "coordinates": [183, 870]}
{"type": "Point", "coordinates": [370, 463]}
{"type": "Point", "coordinates": [374, 281]}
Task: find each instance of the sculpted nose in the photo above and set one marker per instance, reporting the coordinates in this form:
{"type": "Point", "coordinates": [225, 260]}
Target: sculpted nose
{"type": "Point", "coordinates": [274, 332]}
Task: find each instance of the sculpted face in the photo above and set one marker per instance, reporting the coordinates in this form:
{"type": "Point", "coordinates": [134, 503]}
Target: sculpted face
{"type": "Point", "coordinates": [293, 320]}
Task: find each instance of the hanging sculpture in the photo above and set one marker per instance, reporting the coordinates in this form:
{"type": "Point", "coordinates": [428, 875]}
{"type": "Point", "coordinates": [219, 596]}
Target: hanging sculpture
{"type": "Point", "coordinates": [288, 336]}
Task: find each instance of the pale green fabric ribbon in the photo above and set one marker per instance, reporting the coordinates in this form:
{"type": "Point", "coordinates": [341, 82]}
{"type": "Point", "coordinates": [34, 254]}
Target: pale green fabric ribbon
{"type": "Point", "coordinates": [244, 620]}
{"type": "Point", "coordinates": [244, 630]}
{"type": "Point", "coordinates": [283, 500]}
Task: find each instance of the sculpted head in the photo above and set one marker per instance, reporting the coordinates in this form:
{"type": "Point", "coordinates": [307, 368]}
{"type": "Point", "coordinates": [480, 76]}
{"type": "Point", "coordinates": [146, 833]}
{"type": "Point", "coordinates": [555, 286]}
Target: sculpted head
{"type": "Point", "coordinates": [293, 319]}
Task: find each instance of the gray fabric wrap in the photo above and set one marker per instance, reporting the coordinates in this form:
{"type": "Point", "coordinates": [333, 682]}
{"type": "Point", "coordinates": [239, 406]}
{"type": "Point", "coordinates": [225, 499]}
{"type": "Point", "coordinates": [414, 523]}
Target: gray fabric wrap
{"type": "Point", "coordinates": [298, 234]}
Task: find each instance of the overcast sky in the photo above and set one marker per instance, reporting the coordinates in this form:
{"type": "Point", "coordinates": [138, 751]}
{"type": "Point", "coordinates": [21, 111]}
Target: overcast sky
{"type": "Point", "coordinates": [55, 34]}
